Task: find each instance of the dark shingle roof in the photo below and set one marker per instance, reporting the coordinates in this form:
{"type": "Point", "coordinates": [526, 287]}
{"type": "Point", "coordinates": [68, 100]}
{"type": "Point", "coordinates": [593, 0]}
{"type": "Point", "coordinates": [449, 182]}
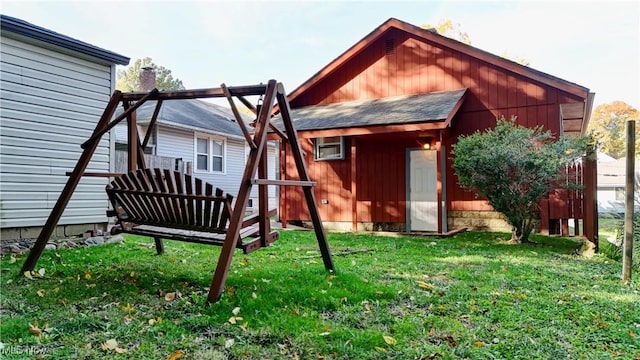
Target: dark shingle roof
{"type": "Point", "coordinates": [193, 114]}
{"type": "Point", "coordinates": [21, 27]}
{"type": "Point", "coordinates": [435, 106]}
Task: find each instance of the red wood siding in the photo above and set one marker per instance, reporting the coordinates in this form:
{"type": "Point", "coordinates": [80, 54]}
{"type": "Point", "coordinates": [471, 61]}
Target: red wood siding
{"type": "Point", "coordinates": [416, 66]}
{"type": "Point", "coordinates": [380, 183]}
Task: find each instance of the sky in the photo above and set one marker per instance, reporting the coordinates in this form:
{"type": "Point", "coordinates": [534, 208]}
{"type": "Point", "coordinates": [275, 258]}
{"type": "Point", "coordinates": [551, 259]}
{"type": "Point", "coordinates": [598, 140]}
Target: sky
{"type": "Point", "coordinates": [595, 44]}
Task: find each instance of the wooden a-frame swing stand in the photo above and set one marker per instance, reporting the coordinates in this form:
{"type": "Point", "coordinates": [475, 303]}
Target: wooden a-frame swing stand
{"type": "Point", "coordinates": [164, 205]}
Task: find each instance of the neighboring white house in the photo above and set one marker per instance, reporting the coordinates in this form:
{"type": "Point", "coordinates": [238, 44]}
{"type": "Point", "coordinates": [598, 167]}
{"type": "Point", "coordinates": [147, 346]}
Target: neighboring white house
{"type": "Point", "coordinates": [612, 182]}
{"type": "Point", "coordinates": [53, 91]}
{"type": "Point", "coordinates": [205, 135]}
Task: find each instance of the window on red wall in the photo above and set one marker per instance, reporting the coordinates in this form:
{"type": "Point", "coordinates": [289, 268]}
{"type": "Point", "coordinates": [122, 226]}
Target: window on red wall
{"type": "Point", "coordinates": [328, 148]}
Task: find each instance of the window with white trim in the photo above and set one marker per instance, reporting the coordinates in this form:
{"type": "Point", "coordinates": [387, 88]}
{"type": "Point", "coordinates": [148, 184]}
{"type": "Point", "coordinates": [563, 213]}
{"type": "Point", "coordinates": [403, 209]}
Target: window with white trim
{"type": "Point", "coordinates": [209, 153]}
{"type": "Point", "coordinates": [328, 148]}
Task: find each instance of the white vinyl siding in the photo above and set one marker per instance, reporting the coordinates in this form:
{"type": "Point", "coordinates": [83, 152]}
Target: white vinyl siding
{"type": "Point", "coordinates": [51, 103]}
{"type": "Point", "coordinates": [179, 143]}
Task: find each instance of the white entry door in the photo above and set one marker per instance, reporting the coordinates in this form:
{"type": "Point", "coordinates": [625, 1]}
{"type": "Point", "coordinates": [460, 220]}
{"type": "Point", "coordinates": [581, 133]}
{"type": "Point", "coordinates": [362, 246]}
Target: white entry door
{"type": "Point", "coordinates": [423, 190]}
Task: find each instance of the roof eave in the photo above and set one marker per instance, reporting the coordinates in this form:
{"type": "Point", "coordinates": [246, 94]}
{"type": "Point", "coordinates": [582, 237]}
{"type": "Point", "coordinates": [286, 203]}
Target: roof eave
{"type": "Point", "coordinates": [193, 128]}
{"type": "Point", "coordinates": [23, 28]}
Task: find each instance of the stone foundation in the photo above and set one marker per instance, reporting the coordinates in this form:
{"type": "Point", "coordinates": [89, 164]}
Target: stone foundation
{"type": "Point", "coordinates": [472, 220]}
{"type": "Point", "coordinates": [60, 232]}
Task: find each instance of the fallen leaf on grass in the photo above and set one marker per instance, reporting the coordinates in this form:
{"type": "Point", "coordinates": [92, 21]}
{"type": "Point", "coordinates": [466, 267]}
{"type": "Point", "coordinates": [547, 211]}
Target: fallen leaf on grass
{"type": "Point", "coordinates": [27, 274]}
{"type": "Point", "coordinates": [381, 349]}
{"type": "Point", "coordinates": [12, 259]}
{"type": "Point", "coordinates": [234, 319]}
{"type": "Point", "coordinates": [176, 355]}
{"type": "Point", "coordinates": [478, 343]}
{"type": "Point", "coordinates": [87, 275]}
{"type": "Point", "coordinates": [632, 334]}
{"type": "Point", "coordinates": [236, 310]}
{"type": "Point", "coordinates": [112, 345]}
{"type": "Point", "coordinates": [170, 296]}
{"type": "Point", "coordinates": [389, 340]}
{"type": "Point", "coordinates": [425, 285]}
{"type": "Point", "coordinates": [128, 308]}
{"type": "Point", "coordinates": [40, 292]}
{"type": "Point", "coordinates": [229, 343]}
{"type": "Point", "coordinates": [35, 330]}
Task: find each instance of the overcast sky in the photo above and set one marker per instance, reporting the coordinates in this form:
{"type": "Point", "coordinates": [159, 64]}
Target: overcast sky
{"type": "Point", "coordinates": [206, 43]}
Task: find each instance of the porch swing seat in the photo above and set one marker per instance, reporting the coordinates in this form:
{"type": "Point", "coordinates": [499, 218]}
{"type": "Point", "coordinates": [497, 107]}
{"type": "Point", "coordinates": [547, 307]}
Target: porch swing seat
{"type": "Point", "coordinates": [171, 205]}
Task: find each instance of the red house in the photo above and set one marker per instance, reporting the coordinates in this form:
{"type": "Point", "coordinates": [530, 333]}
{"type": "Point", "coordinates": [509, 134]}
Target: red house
{"type": "Point", "coordinates": [377, 125]}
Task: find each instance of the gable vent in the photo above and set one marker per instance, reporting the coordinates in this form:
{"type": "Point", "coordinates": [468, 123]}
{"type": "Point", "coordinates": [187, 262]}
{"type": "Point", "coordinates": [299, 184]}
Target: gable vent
{"type": "Point", "coordinates": [390, 47]}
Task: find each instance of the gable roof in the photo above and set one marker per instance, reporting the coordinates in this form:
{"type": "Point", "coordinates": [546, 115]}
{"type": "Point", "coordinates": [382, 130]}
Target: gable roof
{"type": "Point", "coordinates": [433, 37]}
{"type": "Point", "coordinates": [23, 28]}
{"type": "Point", "coordinates": [191, 114]}
{"type": "Point", "coordinates": [431, 111]}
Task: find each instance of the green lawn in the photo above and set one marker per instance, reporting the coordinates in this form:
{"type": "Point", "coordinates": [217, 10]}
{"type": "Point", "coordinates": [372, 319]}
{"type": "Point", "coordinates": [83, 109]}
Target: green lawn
{"type": "Point", "coordinates": [471, 296]}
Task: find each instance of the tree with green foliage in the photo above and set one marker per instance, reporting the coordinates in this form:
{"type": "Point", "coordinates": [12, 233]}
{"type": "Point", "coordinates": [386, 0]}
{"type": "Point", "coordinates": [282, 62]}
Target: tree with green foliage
{"type": "Point", "coordinates": [447, 28]}
{"type": "Point", "coordinates": [608, 127]}
{"type": "Point", "coordinates": [514, 167]}
{"type": "Point", "coordinates": [129, 77]}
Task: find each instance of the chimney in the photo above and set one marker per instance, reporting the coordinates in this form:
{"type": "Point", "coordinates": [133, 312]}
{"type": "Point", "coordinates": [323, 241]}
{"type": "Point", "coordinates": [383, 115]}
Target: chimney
{"type": "Point", "coordinates": [147, 79]}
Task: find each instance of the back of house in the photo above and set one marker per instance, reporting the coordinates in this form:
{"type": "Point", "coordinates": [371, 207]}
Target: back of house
{"type": "Point", "coordinates": [378, 124]}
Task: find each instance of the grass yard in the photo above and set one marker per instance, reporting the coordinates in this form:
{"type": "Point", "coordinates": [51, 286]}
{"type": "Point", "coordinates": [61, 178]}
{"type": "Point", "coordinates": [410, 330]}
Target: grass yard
{"type": "Point", "coordinates": [471, 296]}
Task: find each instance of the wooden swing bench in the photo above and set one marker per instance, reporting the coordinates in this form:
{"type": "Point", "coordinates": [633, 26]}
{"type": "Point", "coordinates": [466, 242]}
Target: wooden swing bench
{"type": "Point", "coordinates": [170, 205]}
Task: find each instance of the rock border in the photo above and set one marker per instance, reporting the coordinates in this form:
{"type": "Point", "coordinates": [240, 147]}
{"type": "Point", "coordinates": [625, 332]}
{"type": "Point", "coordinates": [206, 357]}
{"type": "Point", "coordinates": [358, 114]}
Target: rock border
{"type": "Point", "coordinates": [23, 245]}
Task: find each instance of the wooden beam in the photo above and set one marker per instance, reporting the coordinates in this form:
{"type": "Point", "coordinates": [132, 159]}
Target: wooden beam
{"type": "Point", "coordinates": [282, 201]}
{"type": "Point", "coordinates": [236, 113]}
{"type": "Point", "coordinates": [248, 104]}
{"type": "Point", "coordinates": [132, 139]}
{"type": "Point", "coordinates": [152, 123]}
{"type": "Point", "coordinates": [590, 200]}
{"type": "Point", "coordinates": [95, 174]}
{"type": "Point", "coordinates": [200, 93]}
{"type": "Point", "coordinates": [260, 139]}
{"type": "Point", "coordinates": [354, 193]}
{"type": "Point", "coordinates": [282, 135]}
{"type": "Point", "coordinates": [119, 118]}
{"type": "Point", "coordinates": [296, 151]}
{"type": "Point", "coordinates": [627, 247]}
{"type": "Point", "coordinates": [71, 185]}
{"type": "Point", "coordinates": [263, 197]}
{"type": "Point", "coordinates": [282, 182]}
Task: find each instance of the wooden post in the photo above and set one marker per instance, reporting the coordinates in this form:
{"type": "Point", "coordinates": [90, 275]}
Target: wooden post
{"type": "Point", "coordinates": [71, 185]}
{"type": "Point", "coordinates": [132, 140]}
{"type": "Point", "coordinates": [231, 238]}
{"type": "Point", "coordinates": [282, 200]}
{"type": "Point", "coordinates": [263, 199]}
{"type": "Point", "coordinates": [354, 193]}
{"type": "Point", "coordinates": [627, 248]}
{"type": "Point", "coordinates": [590, 214]}
{"type": "Point", "coordinates": [296, 151]}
